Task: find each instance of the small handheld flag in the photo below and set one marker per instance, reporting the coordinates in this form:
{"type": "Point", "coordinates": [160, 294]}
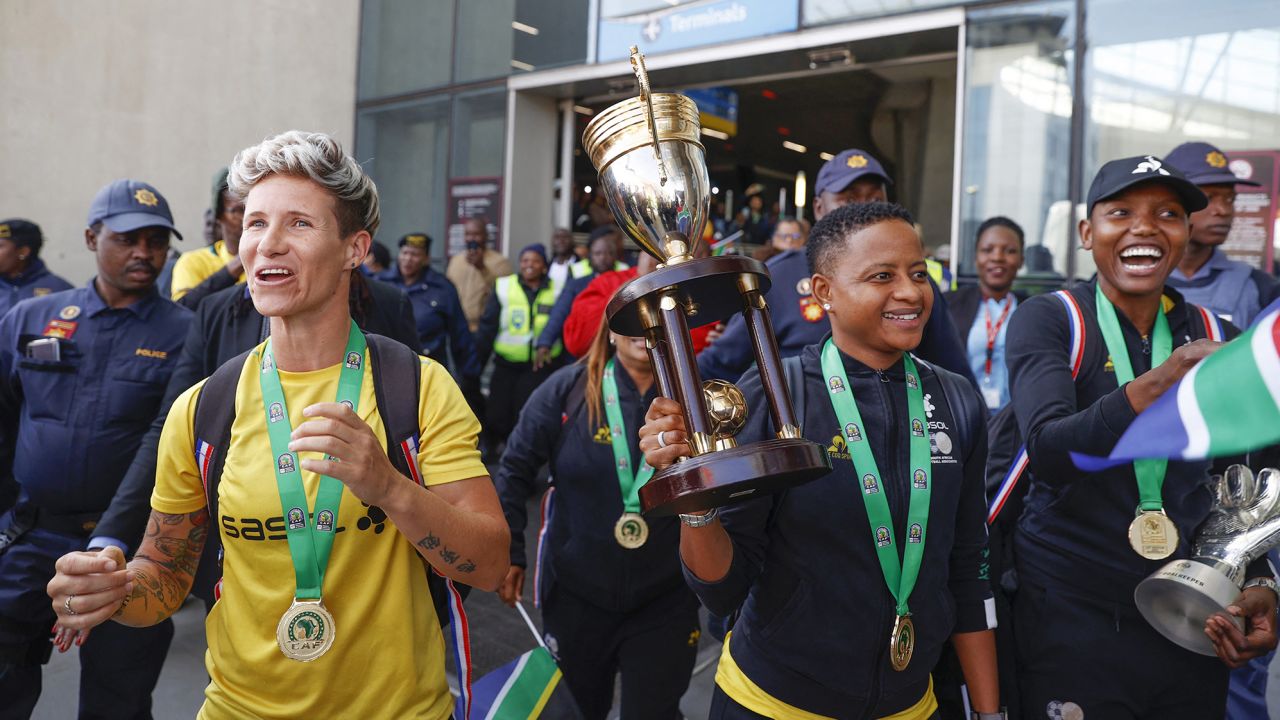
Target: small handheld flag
{"type": "Point", "coordinates": [1227, 404]}
{"type": "Point", "coordinates": [531, 686]}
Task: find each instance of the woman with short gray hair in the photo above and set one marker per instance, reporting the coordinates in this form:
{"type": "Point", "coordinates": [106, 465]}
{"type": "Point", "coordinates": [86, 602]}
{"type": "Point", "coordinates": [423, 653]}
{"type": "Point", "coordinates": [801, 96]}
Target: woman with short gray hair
{"type": "Point", "coordinates": [307, 463]}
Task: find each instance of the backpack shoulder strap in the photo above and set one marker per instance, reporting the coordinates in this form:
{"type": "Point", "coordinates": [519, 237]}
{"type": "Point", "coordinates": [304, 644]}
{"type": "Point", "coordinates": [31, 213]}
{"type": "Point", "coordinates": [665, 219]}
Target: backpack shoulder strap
{"type": "Point", "coordinates": [397, 385]}
{"type": "Point", "coordinates": [397, 388]}
{"type": "Point", "coordinates": [793, 373]}
{"type": "Point", "coordinates": [215, 411]}
{"type": "Point", "coordinates": [1075, 321]}
{"type": "Point", "coordinates": [1211, 325]}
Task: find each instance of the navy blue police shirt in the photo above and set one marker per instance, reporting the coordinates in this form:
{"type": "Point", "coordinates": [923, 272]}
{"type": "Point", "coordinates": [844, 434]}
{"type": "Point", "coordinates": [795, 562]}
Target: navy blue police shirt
{"type": "Point", "coordinates": [80, 418]}
{"type": "Point", "coordinates": [579, 553]}
{"type": "Point", "coordinates": [35, 281]}
{"type": "Point", "coordinates": [799, 320]}
{"type": "Point", "coordinates": [816, 613]}
{"type": "Point", "coordinates": [438, 313]}
{"type": "Point", "coordinates": [1073, 533]}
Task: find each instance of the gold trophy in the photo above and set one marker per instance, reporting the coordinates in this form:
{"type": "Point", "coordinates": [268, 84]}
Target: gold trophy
{"type": "Point", "coordinates": [653, 173]}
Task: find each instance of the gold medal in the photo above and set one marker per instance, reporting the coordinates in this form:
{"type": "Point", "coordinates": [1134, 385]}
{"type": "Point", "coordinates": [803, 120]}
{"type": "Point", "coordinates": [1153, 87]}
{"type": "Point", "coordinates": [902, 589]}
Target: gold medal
{"type": "Point", "coordinates": [305, 631]}
{"type": "Point", "coordinates": [631, 531]}
{"type": "Point", "coordinates": [902, 642]}
{"type": "Point", "coordinates": [1153, 535]}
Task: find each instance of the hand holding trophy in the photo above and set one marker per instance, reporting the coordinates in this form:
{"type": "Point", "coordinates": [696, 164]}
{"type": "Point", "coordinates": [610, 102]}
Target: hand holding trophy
{"type": "Point", "coordinates": [1244, 524]}
{"type": "Point", "coordinates": [652, 172]}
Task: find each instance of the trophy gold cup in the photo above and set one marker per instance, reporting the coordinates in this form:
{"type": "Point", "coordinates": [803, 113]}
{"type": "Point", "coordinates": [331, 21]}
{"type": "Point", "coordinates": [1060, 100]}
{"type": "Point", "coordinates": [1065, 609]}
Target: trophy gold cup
{"type": "Point", "coordinates": [1178, 598]}
{"type": "Point", "coordinates": [649, 155]}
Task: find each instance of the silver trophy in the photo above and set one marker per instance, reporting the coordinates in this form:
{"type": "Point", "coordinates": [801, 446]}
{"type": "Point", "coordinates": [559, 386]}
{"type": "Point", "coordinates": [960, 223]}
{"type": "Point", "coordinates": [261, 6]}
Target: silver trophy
{"type": "Point", "coordinates": [1244, 524]}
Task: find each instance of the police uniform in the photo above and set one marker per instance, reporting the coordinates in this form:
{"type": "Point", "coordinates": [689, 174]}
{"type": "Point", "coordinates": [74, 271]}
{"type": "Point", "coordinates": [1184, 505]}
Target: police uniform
{"type": "Point", "coordinates": [78, 413]}
{"type": "Point", "coordinates": [799, 320]}
{"type": "Point", "coordinates": [437, 310]}
{"type": "Point", "coordinates": [35, 280]}
{"type": "Point", "coordinates": [813, 631]}
{"type": "Point", "coordinates": [1232, 289]}
{"type": "Point", "coordinates": [604, 607]}
{"type": "Point", "coordinates": [514, 317]}
{"type": "Point", "coordinates": [79, 421]}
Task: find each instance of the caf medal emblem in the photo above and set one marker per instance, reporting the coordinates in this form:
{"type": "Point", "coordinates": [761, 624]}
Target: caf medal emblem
{"type": "Point", "coordinates": [631, 531]}
{"type": "Point", "coordinates": [353, 360]}
{"type": "Point", "coordinates": [284, 463]}
{"type": "Point", "coordinates": [869, 484]}
{"type": "Point", "coordinates": [305, 631]}
{"type": "Point", "coordinates": [915, 533]}
{"type": "Point", "coordinates": [324, 521]}
{"type": "Point", "coordinates": [917, 427]}
{"type": "Point", "coordinates": [920, 480]}
{"type": "Point", "coordinates": [836, 384]}
{"type": "Point", "coordinates": [276, 412]}
{"type": "Point", "coordinates": [297, 520]}
{"type": "Point", "coordinates": [882, 536]}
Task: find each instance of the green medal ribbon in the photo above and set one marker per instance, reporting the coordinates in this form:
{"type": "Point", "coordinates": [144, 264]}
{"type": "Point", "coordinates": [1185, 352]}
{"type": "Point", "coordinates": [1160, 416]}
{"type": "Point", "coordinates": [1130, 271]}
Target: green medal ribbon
{"type": "Point", "coordinates": [1150, 473]}
{"type": "Point", "coordinates": [310, 538]}
{"type": "Point", "coordinates": [901, 579]}
{"type": "Point", "coordinates": [628, 482]}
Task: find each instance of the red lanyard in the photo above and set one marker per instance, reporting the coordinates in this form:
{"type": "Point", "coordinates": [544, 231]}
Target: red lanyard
{"type": "Point", "coordinates": [994, 332]}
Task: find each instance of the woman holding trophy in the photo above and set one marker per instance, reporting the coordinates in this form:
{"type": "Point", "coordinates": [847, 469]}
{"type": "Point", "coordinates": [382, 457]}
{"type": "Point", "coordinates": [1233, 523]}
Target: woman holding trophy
{"type": "Point", "coordinates": [608, 580]}
{"type": "Point", "coordinates": [850, 584]}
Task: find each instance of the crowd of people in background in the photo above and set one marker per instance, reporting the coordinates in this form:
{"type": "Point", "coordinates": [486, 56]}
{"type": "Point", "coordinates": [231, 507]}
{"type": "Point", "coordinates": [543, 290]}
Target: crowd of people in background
{"type": "Point", "coordinates": [922, 386]}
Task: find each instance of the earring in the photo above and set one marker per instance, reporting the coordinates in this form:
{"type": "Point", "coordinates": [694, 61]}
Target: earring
{"type": "Point", "coordinates": [826, 306]}
{"type": "Point", "coordinates": [612, 341]}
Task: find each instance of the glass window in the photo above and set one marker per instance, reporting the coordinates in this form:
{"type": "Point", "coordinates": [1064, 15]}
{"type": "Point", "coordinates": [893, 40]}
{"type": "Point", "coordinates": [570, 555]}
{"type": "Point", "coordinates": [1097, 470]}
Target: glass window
{"type": "Point", "coordinates": [480, 119]}
{"type": "Point", "coordinates": [405, 45]}
{"type": "Point", "coordinates": [1202, 73]}
{"type": "Point", "coordinates": [484, 39]}
{"type": "Point", "coordinates": [1017, 132]}
{"type": "Point", "coordinates": [817, 12]}
{"type": "Point", "coordinates": [550, 34]}
{"type": "Point", "coordinates": [405, 148]}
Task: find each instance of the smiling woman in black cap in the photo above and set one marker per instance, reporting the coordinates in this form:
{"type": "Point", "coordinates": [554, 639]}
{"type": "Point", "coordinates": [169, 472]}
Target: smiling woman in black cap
{"type": "Point", "coordinates": [1083, 363]}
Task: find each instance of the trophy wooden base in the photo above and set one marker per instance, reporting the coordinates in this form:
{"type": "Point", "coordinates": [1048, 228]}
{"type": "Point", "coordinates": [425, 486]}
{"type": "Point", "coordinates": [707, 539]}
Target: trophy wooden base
{"type": "Point", "coordinates": [733, 475]}
{"type": "Point", "coordinates": [713, 284]}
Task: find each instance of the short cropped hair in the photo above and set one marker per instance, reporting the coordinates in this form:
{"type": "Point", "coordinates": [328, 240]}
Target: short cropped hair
{"type": "Point", "coordinates": [828, 236]}
{"type": "Point", "coordinates": [1004, 222]}
{"type": "Point", "coordinates": [319, 158]}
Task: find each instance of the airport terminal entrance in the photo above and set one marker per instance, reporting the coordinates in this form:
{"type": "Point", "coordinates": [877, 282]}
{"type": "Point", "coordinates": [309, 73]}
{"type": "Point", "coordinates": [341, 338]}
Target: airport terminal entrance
{"type": "Point", "coordinates": [770, 122]}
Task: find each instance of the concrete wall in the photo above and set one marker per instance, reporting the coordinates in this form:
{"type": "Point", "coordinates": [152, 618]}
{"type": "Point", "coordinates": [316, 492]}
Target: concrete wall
{"type": "Point", "coordinates": [164, 92]}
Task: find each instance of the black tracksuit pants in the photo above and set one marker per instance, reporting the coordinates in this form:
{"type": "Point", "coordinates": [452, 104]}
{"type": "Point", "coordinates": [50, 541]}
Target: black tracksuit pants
{"type": "Point", "coordinates": [653, 647]}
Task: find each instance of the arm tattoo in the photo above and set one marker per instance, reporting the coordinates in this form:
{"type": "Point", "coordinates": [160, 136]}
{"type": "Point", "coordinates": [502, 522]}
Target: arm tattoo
{"type": "Point", "coordinates": [169, 563]}
{"type": "Point", "coordinates": [451, 557]}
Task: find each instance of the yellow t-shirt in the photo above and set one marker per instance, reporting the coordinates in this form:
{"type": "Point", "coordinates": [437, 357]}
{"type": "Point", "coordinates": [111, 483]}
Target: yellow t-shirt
{"type": "Point", "coordinates": [195, 266]}
{"type": "Point", "coordinates": [746, 693]}
{"type": "Point", "coordinates": [387, 659]}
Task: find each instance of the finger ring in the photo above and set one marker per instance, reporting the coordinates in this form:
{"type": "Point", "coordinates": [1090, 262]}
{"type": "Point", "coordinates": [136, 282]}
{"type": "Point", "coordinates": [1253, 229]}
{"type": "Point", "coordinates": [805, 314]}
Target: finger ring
{"type": "Point", "coordinates": [67, 605]}
{"type": "Point", "coordinates": [662, 440]}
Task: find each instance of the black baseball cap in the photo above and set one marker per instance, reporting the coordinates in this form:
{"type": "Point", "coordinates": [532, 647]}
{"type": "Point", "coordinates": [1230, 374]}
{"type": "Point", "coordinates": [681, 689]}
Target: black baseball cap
{"type": "Point", "coordinates": [1204, 164]}
{"type": "Point", "coordinates": [22, 232]}
{"type": "Point", "coordinates": [128, 205]}
{"type": "Point", "coordinates": [422, 241]}
{"type": "Point", "coordinates": [840, 171]}
{"type": "Point", "coordinates": [1120, 175]}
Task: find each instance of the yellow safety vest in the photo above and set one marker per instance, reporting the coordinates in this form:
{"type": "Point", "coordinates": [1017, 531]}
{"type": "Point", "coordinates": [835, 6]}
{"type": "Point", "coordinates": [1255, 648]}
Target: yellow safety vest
{"type": "Point", "coordinates": [582, 268]}
{"type": "Point", "coordinates": [518, 327]}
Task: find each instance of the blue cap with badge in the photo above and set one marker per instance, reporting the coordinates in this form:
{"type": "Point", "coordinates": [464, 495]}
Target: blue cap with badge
{"type": "Point", "coordinates": [840, 171]}
{"type": "Point", "coordinates": [128, 205]}
{"type": "Point", "coordinates": [1204, 164]}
